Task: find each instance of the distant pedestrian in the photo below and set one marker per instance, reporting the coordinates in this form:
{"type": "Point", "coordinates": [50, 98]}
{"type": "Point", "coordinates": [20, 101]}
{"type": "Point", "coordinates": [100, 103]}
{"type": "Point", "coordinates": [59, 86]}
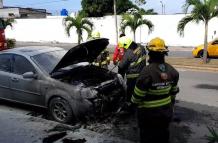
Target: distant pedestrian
{"type": "Point", "coordinates": [154, 95]}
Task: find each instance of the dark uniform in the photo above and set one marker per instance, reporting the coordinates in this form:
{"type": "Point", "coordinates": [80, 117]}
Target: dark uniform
{"type": "Point", "coordinates": [133, 62]}
{"type": "Point", "coordinates": [154, 95]}
{"type": "Point", "coordinates": [103, 60]}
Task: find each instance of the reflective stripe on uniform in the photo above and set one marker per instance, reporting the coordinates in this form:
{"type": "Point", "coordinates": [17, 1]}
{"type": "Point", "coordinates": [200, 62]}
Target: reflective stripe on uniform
{"type": "Point", "coordinates": [138, 61]}
{"type": "Point", "coordinates": [156, 103]}
{"type": "Point", "coordinates": [139, 92]}
{"type": "Point", "coordinates": [135, 100]}
{"type": "Point", "coordinates": [104, 63]}
{"type": "Point", "coordinates": [175, 88]}
{"type": "Point", "coordinates": [132, 75]}
{"type": "Point", "coordinates": [159, 91]}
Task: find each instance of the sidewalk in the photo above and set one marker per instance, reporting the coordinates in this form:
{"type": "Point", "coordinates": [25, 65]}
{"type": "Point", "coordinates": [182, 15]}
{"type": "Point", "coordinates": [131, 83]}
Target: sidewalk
{"type": "Point", "coordinates": [193, 63]}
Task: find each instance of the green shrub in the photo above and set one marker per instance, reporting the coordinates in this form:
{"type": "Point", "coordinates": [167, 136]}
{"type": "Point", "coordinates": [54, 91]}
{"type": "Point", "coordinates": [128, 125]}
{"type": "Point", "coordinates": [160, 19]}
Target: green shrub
{"type": "Point", "coordinates": [213, 137]}
{"type": "Point", "coordinates": [11, 43]}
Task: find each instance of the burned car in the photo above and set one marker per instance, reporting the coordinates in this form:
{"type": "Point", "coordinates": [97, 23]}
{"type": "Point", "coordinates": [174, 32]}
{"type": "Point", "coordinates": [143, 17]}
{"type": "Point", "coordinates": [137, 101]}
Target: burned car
{"type": "Point", "coordinates": [64, 82]}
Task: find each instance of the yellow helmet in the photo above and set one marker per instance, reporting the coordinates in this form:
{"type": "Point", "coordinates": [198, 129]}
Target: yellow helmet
{"type": "Point", "coordinates": [95, 35]}
{"type": "Point", "coordinates": [124, 42]}
{"type": "Point", "coordinates": [157, 45]}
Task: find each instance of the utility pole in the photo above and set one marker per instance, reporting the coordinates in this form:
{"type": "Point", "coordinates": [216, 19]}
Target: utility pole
{"type": "Point", "coordinates": [162, 7]}
{"type": "Point", "coordinates": [1, 3]}
{"type": "Point", "coordinates": [115, 17]}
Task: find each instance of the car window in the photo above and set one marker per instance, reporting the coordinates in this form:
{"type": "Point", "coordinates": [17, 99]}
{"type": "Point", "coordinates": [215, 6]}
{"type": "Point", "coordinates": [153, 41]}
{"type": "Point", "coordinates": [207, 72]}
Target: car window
{"type": "Point", "coordinates": [5, 62]}
{"type": "Point", "coordinates": [21, 65]}
{"type": "Point", "coordinates": [215, 42]}
{"type": "Point", "coordinates": [48, 61]}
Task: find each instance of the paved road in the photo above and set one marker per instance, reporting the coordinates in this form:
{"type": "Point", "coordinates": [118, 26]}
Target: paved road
{"type": "Point", "coordinates": [199, 87]}
{"type": "Point", "coordinates": [197, 90]}
{"type": "Point", "coordinates": [174, 51]}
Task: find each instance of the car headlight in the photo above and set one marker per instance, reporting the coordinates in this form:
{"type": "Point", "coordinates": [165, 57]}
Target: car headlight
{"type": "Point", "coordinates": [194, 48]}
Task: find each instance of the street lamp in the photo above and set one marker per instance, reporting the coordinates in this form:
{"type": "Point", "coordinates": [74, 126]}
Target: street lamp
{"type": "Point", "coordinates": [163, 7]}
{"type": "Point", "coordinates": [115, 18]}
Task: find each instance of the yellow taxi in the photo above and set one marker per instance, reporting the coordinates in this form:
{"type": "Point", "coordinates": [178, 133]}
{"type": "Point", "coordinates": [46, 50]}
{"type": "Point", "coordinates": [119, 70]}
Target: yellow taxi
{"type": "Point", "coordinates": [212, 49]}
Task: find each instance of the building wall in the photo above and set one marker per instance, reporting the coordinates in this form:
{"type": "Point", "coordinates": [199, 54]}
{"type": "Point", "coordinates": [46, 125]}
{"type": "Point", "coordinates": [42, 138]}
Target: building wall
{"type": "Point", "coordinates": [52, 30]}
{"type": "Point", "coordinates": [6, 11]}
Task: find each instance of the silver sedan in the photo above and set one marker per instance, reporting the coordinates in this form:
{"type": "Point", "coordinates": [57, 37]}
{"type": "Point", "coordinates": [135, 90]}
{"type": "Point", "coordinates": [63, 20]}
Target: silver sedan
{"type": "Point", "coordinates": [63, 81]}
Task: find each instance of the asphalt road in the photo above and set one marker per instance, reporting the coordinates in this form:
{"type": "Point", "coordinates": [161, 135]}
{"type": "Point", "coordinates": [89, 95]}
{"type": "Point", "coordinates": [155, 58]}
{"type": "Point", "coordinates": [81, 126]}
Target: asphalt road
{"type": "Point", "coordinates": [198, 87]}
{"type": "Point", "coordinates": [197, 107]}
{"type": "Point", "coordinates": [174, 51]}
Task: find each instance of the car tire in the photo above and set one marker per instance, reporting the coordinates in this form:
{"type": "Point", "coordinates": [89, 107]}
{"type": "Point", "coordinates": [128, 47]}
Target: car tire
{"type": "Point", "coordinates": [201, 54]}
{"type": "Point", "coordinates": [60, 110]}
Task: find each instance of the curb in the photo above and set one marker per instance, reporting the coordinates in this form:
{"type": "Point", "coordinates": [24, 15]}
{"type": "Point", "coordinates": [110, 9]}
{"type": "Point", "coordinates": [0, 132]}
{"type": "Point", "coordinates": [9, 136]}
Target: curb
{"type": "Point", "coordinates": [196, 68]}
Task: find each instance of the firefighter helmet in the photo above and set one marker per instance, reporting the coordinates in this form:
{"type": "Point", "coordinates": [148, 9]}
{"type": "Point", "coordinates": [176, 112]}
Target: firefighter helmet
{"type": "Point", "coordinates": [157, 45]}
{"type": "Point", "coordinates": [124, 42]}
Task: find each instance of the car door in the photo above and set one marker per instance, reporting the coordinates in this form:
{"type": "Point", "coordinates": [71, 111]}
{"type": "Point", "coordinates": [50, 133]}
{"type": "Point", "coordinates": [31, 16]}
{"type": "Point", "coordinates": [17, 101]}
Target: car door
{"type": "Point", "coordinates": [25, 90]}
{"type": "Point", "coordinates": [5, 69]}
{"type": "Point", "coordinates": [213, 48]}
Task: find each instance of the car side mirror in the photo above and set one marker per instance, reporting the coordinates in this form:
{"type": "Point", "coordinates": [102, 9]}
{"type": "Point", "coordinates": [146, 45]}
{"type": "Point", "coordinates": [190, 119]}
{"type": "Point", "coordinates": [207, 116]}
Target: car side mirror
{"type": "Point", "coordinates": [30, 75]}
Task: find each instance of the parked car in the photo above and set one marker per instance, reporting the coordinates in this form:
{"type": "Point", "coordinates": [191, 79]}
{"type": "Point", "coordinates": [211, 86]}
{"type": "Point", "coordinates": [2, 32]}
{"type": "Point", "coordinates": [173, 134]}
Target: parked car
{"type": "Point", "coordinates": [212, 49]}
{"type": "Point", "coordinates": [3, 44]}
{"type": "Point", "coordinates": [63, 81]}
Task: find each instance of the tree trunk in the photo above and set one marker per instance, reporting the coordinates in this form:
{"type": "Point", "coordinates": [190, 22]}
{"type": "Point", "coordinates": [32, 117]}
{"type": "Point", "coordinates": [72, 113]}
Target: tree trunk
{"type": "Point", "coordinates": [205, 43]}
{"type": "Point", "coordinates": [134, 36]}
{"type": "Point", "coordinates": [79, 38]}
{"type": "Point", "coordinates": [115, 17]}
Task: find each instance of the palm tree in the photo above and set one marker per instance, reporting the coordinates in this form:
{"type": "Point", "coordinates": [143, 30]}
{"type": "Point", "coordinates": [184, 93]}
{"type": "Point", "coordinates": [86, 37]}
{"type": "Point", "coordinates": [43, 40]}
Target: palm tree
{"type": "Point", "coordinates": [203, 10]}
{"type": "Point", "coordinates": [80, 23]}
{"type": "Point", "coordinates": [135, 20]}
{"type": "Point", "coordinates": [7, 22]}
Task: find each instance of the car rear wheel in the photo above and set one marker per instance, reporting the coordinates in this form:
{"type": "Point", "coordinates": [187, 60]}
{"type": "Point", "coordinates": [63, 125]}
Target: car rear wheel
{"type": "Point", "coordinates": [60, 110]}
{"type": "Point", "coordinates": [201, 54]}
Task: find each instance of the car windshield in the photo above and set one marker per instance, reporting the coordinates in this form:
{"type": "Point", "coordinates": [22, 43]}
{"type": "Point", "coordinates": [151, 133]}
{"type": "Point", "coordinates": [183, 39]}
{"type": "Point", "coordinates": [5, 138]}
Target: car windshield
{"type": "Point", "coordinates": [49, 60]}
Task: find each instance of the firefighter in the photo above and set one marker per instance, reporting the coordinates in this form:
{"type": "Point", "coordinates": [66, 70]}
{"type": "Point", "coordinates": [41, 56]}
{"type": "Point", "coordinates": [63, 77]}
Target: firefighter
{"type": "Point", "coordinates": [103, 60]}
{"type": "Point", "coordinates": [154, 95]}
{"type": "Point", "coordinates": [118, 52]}
{"type": "Point", "coordinates": [132, 63]}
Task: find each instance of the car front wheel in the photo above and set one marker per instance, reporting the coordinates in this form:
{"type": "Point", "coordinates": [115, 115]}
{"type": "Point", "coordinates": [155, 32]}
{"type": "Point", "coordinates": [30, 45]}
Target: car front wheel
{"type": "Point", "coordinates": [60, 110]}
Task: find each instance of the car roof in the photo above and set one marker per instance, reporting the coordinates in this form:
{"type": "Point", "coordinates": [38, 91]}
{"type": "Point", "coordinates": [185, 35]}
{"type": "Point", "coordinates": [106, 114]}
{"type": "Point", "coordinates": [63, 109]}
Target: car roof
{"type": "Point", "coordinates": [32, 50]}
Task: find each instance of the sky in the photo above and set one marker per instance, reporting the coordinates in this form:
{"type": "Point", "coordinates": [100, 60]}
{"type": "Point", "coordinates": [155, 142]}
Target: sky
{"type": "Point", "coordinates": [55, 6]}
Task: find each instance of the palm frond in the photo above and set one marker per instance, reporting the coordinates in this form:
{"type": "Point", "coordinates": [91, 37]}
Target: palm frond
{"type": "Point", "coordinates": [68, 27]}
{"type": "Point", "coordinates": [182, 24]}
{"type": "Point", "coordinates": [9, 22]}
{"type": "Point", "coordinates": [68, 19]}
{"type": "Point", "coordinates": [213, 137]}
{"type": "Point", "coordinates": [147, 23]}
{"type": "Point", "coordinates": [88, 30]}
{"type": "Point", "coordinates": [200, 13]}
{"type": "Point", "coordinates": [189, 3]}
{"type": "Point", "coordinates": [87, 22]}
{"type": "Point", "coordinates": [214, 13]}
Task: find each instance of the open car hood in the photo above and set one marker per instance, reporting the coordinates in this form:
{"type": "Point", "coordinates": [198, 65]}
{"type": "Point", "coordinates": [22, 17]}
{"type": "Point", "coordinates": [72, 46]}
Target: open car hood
{"type": "Point", "coordinates": [85, 52]}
